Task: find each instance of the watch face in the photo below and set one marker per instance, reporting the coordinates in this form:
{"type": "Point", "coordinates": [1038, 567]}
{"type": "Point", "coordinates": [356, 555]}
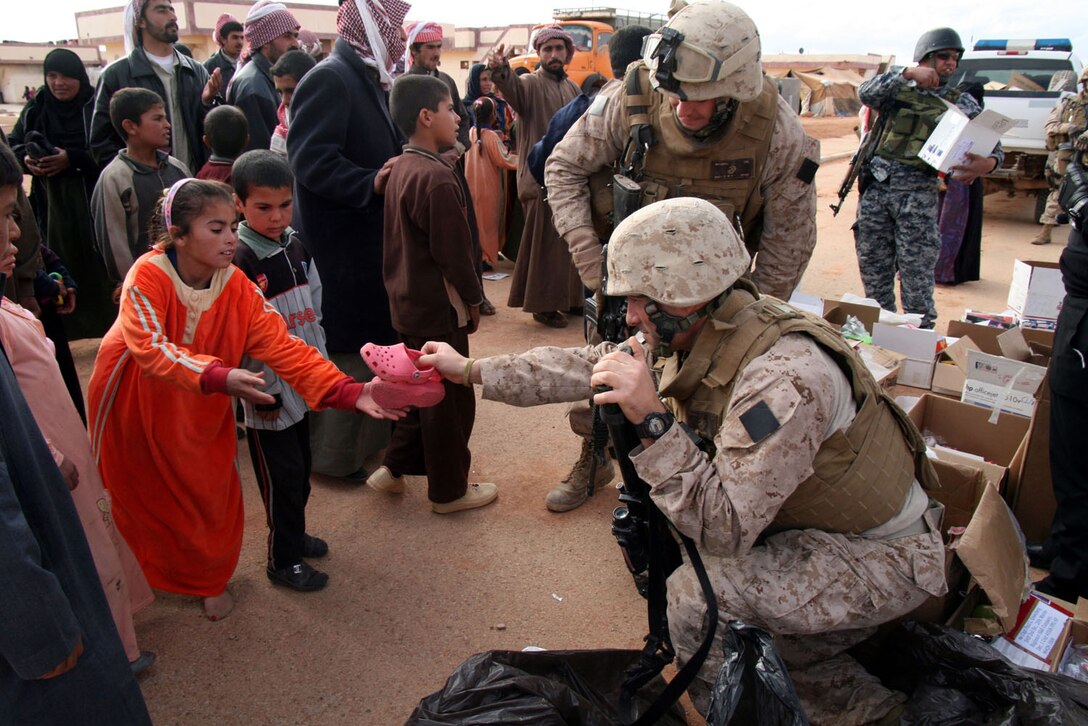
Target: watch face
{"type": "Point", "coordinates": [656, 426]}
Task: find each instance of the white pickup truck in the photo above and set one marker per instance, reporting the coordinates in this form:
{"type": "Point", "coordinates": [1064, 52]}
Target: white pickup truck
{"type": "Point", "coordinates": [1016, 76]}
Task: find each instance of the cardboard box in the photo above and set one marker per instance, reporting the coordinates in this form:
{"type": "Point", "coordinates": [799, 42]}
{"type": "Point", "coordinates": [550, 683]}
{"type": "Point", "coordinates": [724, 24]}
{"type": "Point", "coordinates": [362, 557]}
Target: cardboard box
{"type": "Point", "coordinates": [1032, 493]}
{"type": "Point", "coordinates": [884, 364]}
{"type": "Point", "coordinates": [985, 546]}
{"type": "Point", "coordinates": [950, 373]}
{"type": "Point", "coordinates": [961, 427]}
{"type": "Point", "coordinates": [836, 311]}
{"type": "Point", "coordinates": [995, 381]}
{"type": "Point", "coordinates": [1040, 635]}
{"type": "Point", "coordinates": [1036, 293]}
{"type": "Point", "coordinates": [956, 135]}
{"type": "Point", "coordinates": [920, 346]}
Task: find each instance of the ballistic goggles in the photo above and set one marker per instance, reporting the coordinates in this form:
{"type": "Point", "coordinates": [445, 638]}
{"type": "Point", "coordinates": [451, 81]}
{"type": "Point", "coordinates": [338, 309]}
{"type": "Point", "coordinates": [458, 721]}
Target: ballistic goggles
{"type": "Point", "coordinates": [675, 61]}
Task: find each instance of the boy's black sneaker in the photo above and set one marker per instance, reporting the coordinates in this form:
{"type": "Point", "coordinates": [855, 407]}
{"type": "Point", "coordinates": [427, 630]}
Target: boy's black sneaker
{"type": "Point", "coordinates": [299, 577]}
{"type": "Point", "coordinates": [314, 546]}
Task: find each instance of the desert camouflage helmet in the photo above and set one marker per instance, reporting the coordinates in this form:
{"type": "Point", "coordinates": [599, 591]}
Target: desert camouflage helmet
{"type": "Point", "coordinates": [707, 50]}
{"type": "Point", "coordinates": [1083, 78]}
{"type": "Point", "coordinates": [682, 251]}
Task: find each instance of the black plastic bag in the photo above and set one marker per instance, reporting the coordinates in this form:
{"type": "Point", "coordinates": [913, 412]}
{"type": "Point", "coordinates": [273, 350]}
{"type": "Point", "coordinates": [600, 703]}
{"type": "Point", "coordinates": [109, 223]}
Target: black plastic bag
{"type": "Point", "coordinates": [578, 687]}
{"type": "Point", "coordinates": [953, 678]}
{"type": "Point", "coordinates": [753, 687]}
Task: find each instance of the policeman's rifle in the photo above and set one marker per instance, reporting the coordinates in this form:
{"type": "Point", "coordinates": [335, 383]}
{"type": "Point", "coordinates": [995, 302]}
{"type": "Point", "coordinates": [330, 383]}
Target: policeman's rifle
{"type": "Point", "coordinates": [860, 160]}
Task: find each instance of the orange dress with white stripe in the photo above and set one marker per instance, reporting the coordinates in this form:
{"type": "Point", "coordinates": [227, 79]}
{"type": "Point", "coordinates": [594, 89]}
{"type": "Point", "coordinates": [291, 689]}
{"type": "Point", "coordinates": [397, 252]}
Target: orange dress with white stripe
{"type": "Point", "coordinates": [165, 449]}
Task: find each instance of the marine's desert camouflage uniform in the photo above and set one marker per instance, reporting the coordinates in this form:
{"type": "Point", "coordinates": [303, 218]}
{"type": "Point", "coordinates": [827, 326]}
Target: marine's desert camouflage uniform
{"type": "Point", "coordinates": [897, 215]}
{"type": "Point", "coordinates": [789, 204]}
{"type": "Point", "coordinates": [829, 589]}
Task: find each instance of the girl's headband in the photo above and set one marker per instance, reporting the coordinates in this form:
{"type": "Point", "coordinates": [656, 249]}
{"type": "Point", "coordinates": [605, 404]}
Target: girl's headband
{"type": "Point", "coordinates": [169, 203]}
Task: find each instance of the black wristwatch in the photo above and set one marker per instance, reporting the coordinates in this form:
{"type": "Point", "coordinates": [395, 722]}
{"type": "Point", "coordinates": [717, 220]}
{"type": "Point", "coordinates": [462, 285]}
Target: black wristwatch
{"type": "Point", "coordinates": [655, 425]}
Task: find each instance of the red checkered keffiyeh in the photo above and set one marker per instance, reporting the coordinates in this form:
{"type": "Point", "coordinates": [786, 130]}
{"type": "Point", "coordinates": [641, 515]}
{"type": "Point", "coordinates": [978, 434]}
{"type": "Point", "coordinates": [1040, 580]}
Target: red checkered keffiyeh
{"type": "Point", "coordinates": [219, 23]}
{"type": "Point", "coordinates": [373, 29]}
{"type": "Point", "coordinates": [266, 22]}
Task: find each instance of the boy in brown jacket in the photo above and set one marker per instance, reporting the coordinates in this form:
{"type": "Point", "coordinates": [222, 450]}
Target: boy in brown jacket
{"type": "Point", "coordinates": [434, 294]}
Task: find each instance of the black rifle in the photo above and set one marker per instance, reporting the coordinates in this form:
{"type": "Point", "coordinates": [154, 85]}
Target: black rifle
{"type": "Point", "coordinates": [651, 551]}
{"type": "Point", "coordinates": [860, 160]}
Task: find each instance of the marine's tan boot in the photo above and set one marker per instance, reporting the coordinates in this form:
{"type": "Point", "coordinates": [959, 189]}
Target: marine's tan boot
{"type": "Point", "coordinates": [572, 491]}
{"type": "Point", "coordinates": [1043, 238]}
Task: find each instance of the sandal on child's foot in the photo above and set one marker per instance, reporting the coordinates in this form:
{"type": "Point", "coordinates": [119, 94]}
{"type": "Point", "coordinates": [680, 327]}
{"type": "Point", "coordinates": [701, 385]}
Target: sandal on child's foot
{"type": "Point", "coordinates": [299, 577]}
{"type": "Point", "coordinates": [314, 547]}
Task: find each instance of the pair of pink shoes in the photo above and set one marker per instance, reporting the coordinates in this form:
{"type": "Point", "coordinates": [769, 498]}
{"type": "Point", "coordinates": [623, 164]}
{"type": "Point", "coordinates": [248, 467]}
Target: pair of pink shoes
{"type": "Point", "coordinates": [400, 382]}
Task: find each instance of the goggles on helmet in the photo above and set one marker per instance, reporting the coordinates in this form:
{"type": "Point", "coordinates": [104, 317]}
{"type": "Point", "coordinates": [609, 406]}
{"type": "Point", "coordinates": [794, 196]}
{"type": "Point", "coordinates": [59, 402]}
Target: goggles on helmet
{"type": "Point", "coordinates": [675, 61]}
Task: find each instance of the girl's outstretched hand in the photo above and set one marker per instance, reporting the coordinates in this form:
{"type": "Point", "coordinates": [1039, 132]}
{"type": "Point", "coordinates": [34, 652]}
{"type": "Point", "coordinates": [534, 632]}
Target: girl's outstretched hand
{"type": "Point", "coordinates": [366, 404]}
{"type": "Point", "coordinates": [247, 384]}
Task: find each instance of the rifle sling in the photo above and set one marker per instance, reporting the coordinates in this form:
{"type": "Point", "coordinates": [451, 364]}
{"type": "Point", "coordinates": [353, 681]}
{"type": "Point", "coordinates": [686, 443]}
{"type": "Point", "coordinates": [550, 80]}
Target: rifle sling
{"type": "Point", "coordinates": [658, 651]}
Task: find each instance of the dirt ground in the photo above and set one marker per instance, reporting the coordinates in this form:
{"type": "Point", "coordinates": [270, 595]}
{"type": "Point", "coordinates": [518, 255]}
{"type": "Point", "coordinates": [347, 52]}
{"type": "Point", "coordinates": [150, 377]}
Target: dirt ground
{"type": "Point", "coordinates": [413, 594]}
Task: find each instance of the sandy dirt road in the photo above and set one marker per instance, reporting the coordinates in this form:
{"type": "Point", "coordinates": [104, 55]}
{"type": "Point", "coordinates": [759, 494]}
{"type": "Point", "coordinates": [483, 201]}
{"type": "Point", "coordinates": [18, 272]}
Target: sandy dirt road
{"type": "Point", "coordinates": [412, 594]}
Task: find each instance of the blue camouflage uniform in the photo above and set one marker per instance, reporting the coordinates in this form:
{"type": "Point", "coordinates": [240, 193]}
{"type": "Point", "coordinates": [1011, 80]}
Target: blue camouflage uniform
{"type": "Point", "coordinates": [896, 229]}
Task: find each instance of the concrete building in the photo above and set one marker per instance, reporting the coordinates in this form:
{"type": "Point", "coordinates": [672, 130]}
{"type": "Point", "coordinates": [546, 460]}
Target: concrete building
{"type": "Point", "coordinates": [21, 66]}
{"type": "Point", "coordinates": [461, 47]}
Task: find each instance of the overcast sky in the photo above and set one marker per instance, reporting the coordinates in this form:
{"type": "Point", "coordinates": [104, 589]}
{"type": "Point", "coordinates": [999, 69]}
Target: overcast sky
{"type": "Point", "coordinates": [847, 26]}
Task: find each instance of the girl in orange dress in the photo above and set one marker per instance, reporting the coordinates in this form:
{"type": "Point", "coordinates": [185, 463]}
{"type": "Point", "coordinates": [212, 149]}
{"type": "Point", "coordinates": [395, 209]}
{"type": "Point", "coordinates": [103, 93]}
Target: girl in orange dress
{"type": "Point", "coordinates": [486, 163]}
{"type": "Point", "coordinates": [159, 398]}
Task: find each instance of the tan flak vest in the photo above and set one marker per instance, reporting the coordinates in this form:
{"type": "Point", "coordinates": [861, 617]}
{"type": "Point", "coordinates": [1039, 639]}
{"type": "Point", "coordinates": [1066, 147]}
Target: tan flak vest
{"type": "Point", "coordinates": [725, 170]}
{"type": "Point", "coordinates": [861, 476]}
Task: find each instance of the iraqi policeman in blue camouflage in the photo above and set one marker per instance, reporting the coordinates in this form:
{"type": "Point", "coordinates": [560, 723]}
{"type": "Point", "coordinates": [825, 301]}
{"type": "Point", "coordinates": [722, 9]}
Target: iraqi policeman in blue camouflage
{"type": "Point", "coordinates": [896, 229]}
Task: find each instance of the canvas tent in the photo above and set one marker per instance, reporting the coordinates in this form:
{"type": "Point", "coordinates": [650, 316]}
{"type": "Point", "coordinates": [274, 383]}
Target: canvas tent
{"type": "Point", "coordinates": [825, 91]}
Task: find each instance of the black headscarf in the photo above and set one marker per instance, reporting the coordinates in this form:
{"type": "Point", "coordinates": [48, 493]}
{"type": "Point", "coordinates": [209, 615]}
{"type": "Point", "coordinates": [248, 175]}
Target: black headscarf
{"type": "Point", "coordinates": [474, 92]}
{"type": "Point", "coordinates": [62, 121]}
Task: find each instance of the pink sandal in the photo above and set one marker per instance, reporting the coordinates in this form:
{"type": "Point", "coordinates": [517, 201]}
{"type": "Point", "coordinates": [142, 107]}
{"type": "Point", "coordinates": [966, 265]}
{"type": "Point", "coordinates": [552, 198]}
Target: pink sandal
{"type": "Point", "coordinates": [396, 363]}
{"type": "Point", "coordinates": [395, 394]}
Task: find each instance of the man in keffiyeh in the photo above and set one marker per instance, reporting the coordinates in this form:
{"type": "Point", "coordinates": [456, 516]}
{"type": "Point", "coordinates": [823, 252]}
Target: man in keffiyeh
{"type": "Point", "coordinates": [424, 55]}
{"type": "Point", "coordinates": [271, 30]}
{"type": "Point", "coordinates": [187, 89]}
{"type": "Point", "coordinates": [229, 37]}
{"type": "Point", "coordinates": [338, 145]}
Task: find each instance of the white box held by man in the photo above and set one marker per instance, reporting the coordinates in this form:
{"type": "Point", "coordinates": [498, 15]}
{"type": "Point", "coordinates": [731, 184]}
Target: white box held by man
{"type": "Point", "coordinates": [956, 135]}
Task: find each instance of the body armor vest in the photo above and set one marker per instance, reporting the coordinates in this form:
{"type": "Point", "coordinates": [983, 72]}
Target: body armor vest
{"type": "Point", "coordinates": [861, 475]}
{"type": "Point", "coordinates": [725, 169]}
{"type": "Point", "coordinates": [914, 116]}
{"type": "Point", "coordinates": [1073, 112]}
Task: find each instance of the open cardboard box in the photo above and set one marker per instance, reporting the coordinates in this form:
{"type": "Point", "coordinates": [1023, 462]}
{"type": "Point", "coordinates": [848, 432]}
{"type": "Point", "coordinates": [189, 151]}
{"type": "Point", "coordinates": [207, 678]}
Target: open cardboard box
{"type": "Point", "coordinates": [1018, 344]}
{"type": "Point", "coordinates": [1030, 493]}
{"type": "Point", "coordinates": [920, 346]}
{"type": "Point", "coordinates": [884, 364]}
{"type": "Point", "coordinates": [964, 428]}
{"type": "Point", "coordinates": [1045, 630]}
{"type": "Point", "coordinates": [988, 551]}
{"type": "Point", "coordinates": [836, 311]}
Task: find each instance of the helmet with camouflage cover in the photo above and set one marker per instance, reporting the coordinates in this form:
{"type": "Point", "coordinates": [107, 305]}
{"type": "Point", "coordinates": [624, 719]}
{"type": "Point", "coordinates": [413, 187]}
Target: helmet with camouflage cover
{"type": "Point", "coordinates": [935, 40]}
{"type": "Point", "coordinates": [707, 50]}
{"type": "Point", "coordinates": [1083, 78]}
{"type": "Point", "coordinates": [681, 251]}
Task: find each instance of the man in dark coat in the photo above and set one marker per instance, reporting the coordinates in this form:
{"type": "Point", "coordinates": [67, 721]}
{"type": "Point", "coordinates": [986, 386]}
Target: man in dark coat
{"type": "Point", "coordinates": [229, 37]}
{"type": "Point", "coordinates": [340, 164]}
{"type": "Point", "coordinates": [151, 29]}
{"type": "Point", "coordinates": [271, 30]}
